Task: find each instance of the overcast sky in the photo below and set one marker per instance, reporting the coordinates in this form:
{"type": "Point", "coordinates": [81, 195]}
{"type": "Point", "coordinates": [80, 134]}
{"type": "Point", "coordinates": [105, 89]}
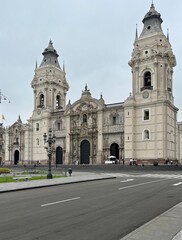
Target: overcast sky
{"type": "Point", "coordinates": [93, 37]}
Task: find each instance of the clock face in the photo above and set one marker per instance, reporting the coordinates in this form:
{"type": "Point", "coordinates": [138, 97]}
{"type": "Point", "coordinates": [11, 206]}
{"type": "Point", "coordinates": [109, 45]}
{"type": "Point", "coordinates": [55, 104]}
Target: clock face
{"type": "Point", "coordinates": [145, 94]}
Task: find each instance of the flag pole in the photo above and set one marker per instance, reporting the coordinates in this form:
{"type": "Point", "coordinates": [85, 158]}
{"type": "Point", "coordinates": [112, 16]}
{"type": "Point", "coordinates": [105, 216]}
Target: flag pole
{"type": "Point", "coordinates": [3, 97]}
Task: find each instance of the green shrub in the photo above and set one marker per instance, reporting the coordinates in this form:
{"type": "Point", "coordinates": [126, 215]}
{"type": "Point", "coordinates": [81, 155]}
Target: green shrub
{"type": "Point", "coordinates": [4, 170]}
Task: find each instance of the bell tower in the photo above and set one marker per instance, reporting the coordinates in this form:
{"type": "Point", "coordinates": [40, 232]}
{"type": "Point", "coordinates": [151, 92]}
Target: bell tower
{"type": "Point", "coordinates": [50, 88]}
{"type": "Point", "coordinates": [49, 83]}
{"type": "Point", "coordinates": [150, 114]}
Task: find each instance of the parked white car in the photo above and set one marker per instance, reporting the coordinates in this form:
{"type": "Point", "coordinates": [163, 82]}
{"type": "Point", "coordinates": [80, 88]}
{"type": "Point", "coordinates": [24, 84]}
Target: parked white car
{"type": "Point", "coordinates": [111, 160]}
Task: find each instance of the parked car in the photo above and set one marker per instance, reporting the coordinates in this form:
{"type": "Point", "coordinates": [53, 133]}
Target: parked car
{"type": "Point", "coordinates": [111, 160]}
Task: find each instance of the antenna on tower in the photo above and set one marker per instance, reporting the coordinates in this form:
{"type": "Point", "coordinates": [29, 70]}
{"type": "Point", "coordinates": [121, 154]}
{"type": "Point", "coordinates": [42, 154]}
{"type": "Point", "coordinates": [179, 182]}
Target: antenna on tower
{"type": "Point", "coordinates": [152, 4]}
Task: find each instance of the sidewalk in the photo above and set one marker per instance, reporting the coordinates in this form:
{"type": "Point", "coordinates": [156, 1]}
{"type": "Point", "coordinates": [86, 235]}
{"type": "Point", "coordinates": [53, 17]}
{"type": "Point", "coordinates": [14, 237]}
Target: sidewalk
{"type": "Point", "coordinates": [167, 226]}
{"type": "Point", "coordinates": [74, 178]}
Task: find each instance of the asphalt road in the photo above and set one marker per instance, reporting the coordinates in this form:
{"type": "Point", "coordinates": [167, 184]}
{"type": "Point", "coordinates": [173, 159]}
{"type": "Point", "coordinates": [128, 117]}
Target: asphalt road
{"type": "Point", "coordinates": [99, 210]}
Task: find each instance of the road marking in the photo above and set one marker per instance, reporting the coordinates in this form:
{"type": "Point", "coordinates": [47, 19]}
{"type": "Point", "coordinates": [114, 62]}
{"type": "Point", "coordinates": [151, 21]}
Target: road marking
{"type": "Point", "coordinates": [62, 201]}
{"type": "Point", "coordinates": [140, 184]}
{"type": "Point", "coordinates": [127, 180]}
{"type": "Point", "coordinates": [177, 184]}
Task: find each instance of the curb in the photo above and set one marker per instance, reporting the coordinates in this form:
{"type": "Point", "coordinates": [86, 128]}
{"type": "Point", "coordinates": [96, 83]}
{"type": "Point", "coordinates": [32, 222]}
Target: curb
{"type": "Point", "coordinates": [136, 234]}
{"type": "Point", "coordinates": [55, 184]}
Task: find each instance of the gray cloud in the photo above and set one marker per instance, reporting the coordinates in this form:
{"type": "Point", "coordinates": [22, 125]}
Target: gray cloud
{"type": "Point", "coordinates": [94, 38]}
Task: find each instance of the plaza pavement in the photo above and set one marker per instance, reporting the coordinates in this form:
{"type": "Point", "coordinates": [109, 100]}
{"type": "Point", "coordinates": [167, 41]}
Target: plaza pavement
{"type": "Point", "coordinates": [167, 226]}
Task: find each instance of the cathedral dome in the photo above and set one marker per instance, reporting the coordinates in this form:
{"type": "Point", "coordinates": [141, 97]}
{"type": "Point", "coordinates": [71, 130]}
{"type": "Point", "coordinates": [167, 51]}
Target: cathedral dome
{"type": "Point", "coordinates": [50, 56]}
{"type": "Point", "coordinates": [152, 14]}
{"type": "Point", "coordinates": [152, 22]}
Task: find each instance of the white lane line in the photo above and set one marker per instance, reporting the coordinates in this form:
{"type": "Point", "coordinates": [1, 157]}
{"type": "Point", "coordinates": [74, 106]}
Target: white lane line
{"type": "Point", "coordinates": [127, 180]}
{"type": "Point", "coordinates": [140, 184]}
{"type": "Point", "coordinates": [62, 201]}
{"type": "Point", "coordinates": [177, 184]}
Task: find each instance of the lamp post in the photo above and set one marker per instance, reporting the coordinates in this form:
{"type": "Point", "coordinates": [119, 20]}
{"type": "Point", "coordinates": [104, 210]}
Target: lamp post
{"type": "Point", "coordinates": [50, 139]}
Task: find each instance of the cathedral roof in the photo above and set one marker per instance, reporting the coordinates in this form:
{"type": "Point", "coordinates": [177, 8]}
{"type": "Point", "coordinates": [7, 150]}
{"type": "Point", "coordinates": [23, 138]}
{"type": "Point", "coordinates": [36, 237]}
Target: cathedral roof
{"type": "Point", "coordinates": [152, 22]}
{"type": "Point", "coordinates": [152, 14]}
{"type": "Point", "coordinates": [50, 56]}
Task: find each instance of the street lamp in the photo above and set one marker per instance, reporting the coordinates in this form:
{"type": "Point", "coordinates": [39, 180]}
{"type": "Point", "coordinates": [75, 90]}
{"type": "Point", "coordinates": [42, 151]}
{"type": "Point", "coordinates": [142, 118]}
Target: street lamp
{"type": "Point", "coordinates": [50, 139]}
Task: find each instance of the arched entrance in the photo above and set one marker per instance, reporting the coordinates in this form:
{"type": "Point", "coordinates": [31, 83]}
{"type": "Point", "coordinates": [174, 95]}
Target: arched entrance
{"type": "Point", "coordinates": [85, 152]}
{"type": "Point", "coordinates": [59, 155]}
{"type": "Point", "coordinates": [16, 157]}
{"type": "Point", "coordinates": [114, 150]}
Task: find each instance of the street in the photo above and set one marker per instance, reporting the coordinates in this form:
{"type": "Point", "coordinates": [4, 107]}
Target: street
{"type": "Point", "coordinates": [99, 210]}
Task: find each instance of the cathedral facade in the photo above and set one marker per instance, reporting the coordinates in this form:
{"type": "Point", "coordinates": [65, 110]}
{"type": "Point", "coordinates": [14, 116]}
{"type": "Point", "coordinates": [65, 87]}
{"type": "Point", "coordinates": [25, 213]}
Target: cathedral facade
{"type": "Point", "coordinates": [143, 127]}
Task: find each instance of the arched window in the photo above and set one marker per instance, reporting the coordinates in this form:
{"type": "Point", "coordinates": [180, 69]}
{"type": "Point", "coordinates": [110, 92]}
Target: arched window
{"type": "Point", "coordinates": [84, 118]}
{"type": "Point", "coordinates": [37, 126]}
{"type": "Point", "coordinates": [146, 134]}
{"type": "Point", "coordinates": [58, 101]}
{"type": "Point", "coordinates": [147, 80]}
{"type": "Point", "coordinates": [114, 120]}
{"type": "Point", "coordinates": [41, 100]}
